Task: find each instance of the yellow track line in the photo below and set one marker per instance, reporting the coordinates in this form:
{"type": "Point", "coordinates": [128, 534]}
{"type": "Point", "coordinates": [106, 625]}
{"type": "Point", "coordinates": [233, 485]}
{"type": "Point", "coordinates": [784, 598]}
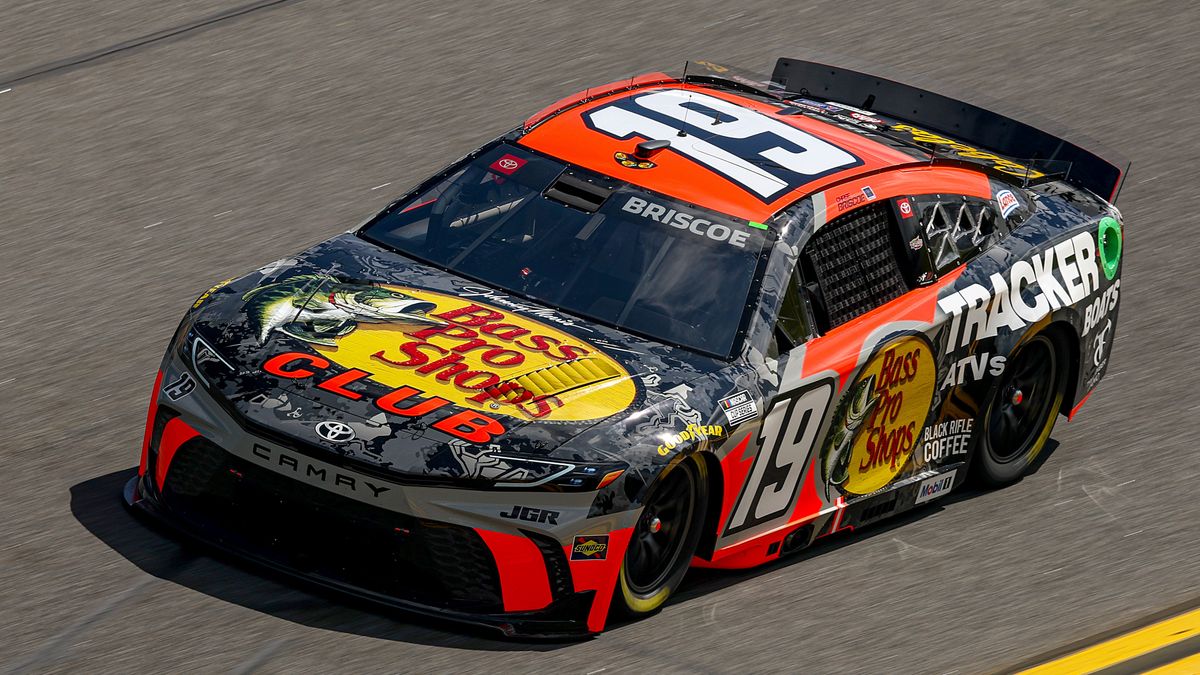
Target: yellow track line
{"type": "Point", "coordinates": [1188, 665]}
{"type": "Point", "coordinates": [1125, 647]}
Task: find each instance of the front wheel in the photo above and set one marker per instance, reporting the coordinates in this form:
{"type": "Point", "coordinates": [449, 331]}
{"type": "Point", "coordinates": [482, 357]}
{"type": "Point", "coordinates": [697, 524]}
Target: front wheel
{"type": "Point", "coordinates": [1021, 411]}
{"type": "Point", "coordinates": [665, 537]}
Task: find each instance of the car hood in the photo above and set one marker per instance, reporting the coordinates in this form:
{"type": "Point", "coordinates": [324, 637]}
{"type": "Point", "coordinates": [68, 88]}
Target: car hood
{"type": "Point", "coordinates": [357, 351]}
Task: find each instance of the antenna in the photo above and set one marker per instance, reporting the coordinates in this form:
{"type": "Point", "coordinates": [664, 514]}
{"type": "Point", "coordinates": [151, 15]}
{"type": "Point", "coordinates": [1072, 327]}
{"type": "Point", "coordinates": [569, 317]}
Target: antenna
{"type": "Point", "coordinates": [683, 131]}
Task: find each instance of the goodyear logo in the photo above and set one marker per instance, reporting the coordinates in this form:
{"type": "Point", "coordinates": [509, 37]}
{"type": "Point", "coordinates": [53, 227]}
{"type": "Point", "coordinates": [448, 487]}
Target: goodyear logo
{"type": "Point", "coordinates": [590, 547]}
{"type": "Point", "coordinates": [489, 360]}
{"type": "Point", "coordinates": [693, 432]}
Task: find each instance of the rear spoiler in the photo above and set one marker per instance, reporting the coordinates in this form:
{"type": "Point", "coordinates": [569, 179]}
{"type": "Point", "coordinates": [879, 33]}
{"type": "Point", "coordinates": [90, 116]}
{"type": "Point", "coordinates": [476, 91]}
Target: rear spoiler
{"type": "Point", "coordinates": [969, 123]}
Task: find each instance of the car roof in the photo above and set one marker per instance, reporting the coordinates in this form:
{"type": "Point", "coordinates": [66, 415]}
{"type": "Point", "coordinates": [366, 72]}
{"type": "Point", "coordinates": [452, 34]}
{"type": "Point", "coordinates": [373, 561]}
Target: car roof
{"type": "Point", "coordinates": [593, 129]}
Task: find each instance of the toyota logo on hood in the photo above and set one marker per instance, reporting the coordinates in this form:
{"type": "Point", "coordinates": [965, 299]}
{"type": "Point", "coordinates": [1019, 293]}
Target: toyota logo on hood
{"type": "Point", "coordinates": [335, 432]}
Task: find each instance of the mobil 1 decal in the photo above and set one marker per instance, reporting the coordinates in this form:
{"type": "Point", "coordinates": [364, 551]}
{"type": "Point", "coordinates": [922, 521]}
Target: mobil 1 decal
{"type": "Point", "coordinates": [765, 156]}
{"type": "Point", "coordinates": [870, 438]}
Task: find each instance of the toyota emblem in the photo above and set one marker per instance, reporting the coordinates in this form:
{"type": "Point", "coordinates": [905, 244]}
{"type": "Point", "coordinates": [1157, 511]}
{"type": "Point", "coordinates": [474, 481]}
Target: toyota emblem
{"type": "Point", "coordinates": [335, 432]}
{"type": "Point", "coordinates": [507, 163]}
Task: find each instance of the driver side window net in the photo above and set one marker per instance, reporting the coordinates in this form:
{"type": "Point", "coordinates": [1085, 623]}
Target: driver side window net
{"type": "Point", "coordinates": [853, 260]}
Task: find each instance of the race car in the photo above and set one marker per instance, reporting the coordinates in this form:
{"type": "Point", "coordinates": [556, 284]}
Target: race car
{"type": "Point", "coordinates": [672, 322]}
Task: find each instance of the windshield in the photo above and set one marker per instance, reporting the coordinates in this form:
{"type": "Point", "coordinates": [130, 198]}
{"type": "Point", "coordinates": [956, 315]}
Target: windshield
{"type": "Point", "coordinates": [586, 244]}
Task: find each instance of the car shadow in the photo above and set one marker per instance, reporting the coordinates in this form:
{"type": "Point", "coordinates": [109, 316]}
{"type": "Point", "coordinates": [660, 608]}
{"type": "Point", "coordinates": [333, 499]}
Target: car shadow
{"type": "Point", "coordinates": [96, 504]}
{"type": "Point", "coordinates": [701, 582]}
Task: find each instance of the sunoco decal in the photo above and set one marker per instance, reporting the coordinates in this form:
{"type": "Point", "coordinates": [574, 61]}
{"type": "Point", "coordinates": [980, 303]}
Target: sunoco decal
{"type": "Point", "coordinates": [590, 547]}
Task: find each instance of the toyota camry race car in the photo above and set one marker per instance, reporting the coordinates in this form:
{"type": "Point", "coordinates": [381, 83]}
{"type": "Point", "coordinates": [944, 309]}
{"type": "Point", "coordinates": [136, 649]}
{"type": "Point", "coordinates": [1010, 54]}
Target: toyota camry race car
{"type": "Point", "coordinates": [670, 322]}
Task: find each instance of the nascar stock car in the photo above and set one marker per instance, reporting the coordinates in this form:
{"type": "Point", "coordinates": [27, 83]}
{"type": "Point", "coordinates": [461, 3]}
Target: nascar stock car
{"type": "Point", "coordinates": [681, 321]}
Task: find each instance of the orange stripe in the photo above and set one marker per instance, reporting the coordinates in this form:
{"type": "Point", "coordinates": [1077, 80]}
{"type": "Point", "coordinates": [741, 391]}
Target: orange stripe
{"type": "Point", "coordinates": [1071, 415]}
{"type": "Point", "coordinates": [524, 583]}
{"type": "Point", "coordinates": [176, 433]}
{"type": "Point", "coordinates": [600, 576]}
{"type": "Point", "coordinates": [150, 414]}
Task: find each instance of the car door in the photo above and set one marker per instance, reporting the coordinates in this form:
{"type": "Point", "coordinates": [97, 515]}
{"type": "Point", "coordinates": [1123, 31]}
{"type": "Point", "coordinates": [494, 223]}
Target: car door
{"type": "Point", "coordinates": [860, 352]}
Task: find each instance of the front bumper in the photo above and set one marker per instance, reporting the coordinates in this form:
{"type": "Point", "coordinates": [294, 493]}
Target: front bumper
{"type": "Point", "coordinates": [563, 618]}
{"type": "Point", "coordinates": [438, 551]}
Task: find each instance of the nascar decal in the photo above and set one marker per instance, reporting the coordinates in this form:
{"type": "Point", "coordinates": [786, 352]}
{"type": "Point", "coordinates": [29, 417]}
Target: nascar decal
{"type": "Point", "coordinates": [881, 417]}
{"type": "Point", "coordinates": [454, 349]}
{"type": "Point", "coordinates": [720, 135]}
{"type": "Point", "coordinates": [963, 150]}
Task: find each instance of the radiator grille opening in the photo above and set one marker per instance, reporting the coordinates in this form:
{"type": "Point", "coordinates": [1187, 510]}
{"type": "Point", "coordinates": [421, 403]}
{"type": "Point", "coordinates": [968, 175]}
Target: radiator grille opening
{"type": "Point", "coordinates": [558, 571]}
{"type": "Point", "coordinates": [247, 507]}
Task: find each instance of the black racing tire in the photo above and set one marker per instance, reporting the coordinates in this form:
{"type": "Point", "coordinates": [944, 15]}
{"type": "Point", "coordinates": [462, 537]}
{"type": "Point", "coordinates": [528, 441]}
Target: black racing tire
{"type": "Point", "coordinates": [1021, 411]}
{"type": "Point", "coordinates": [658, 557]}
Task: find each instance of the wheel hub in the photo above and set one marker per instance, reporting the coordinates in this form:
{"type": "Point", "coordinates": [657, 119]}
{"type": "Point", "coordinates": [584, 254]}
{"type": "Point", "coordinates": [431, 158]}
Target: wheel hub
{"type": "Point", "coordinates": [1023, 404]}
{"type": "Point", "coordinates": [659, 537]}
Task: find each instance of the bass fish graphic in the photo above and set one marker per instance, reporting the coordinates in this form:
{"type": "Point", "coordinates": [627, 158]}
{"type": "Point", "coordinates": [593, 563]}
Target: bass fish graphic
{"type": "Point", "coordinates": [854, 410]}
{"type": "Point", "coordinates": [318, 309]}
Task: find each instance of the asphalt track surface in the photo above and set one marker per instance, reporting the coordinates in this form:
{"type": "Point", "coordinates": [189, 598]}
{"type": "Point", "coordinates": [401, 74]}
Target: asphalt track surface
{"type": "Point", "coordinates": [148, 151]}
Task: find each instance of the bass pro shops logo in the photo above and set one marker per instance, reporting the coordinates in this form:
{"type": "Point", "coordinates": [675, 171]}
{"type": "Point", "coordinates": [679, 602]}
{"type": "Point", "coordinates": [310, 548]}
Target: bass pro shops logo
{"type": "Point", "coordinates": [488, 360]}
{"type": "Point", "coordinates": [880, 419]}
{"type": "Point", "coordinates": [434, 350]}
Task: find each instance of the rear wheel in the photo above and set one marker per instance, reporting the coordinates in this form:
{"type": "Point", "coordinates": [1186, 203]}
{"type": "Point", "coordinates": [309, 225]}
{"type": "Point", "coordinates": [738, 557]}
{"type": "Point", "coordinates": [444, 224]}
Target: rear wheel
{"type": "Point", "coordinates": [1021, 411]}
{"type": "Point", "coordinates": [664, 538]}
